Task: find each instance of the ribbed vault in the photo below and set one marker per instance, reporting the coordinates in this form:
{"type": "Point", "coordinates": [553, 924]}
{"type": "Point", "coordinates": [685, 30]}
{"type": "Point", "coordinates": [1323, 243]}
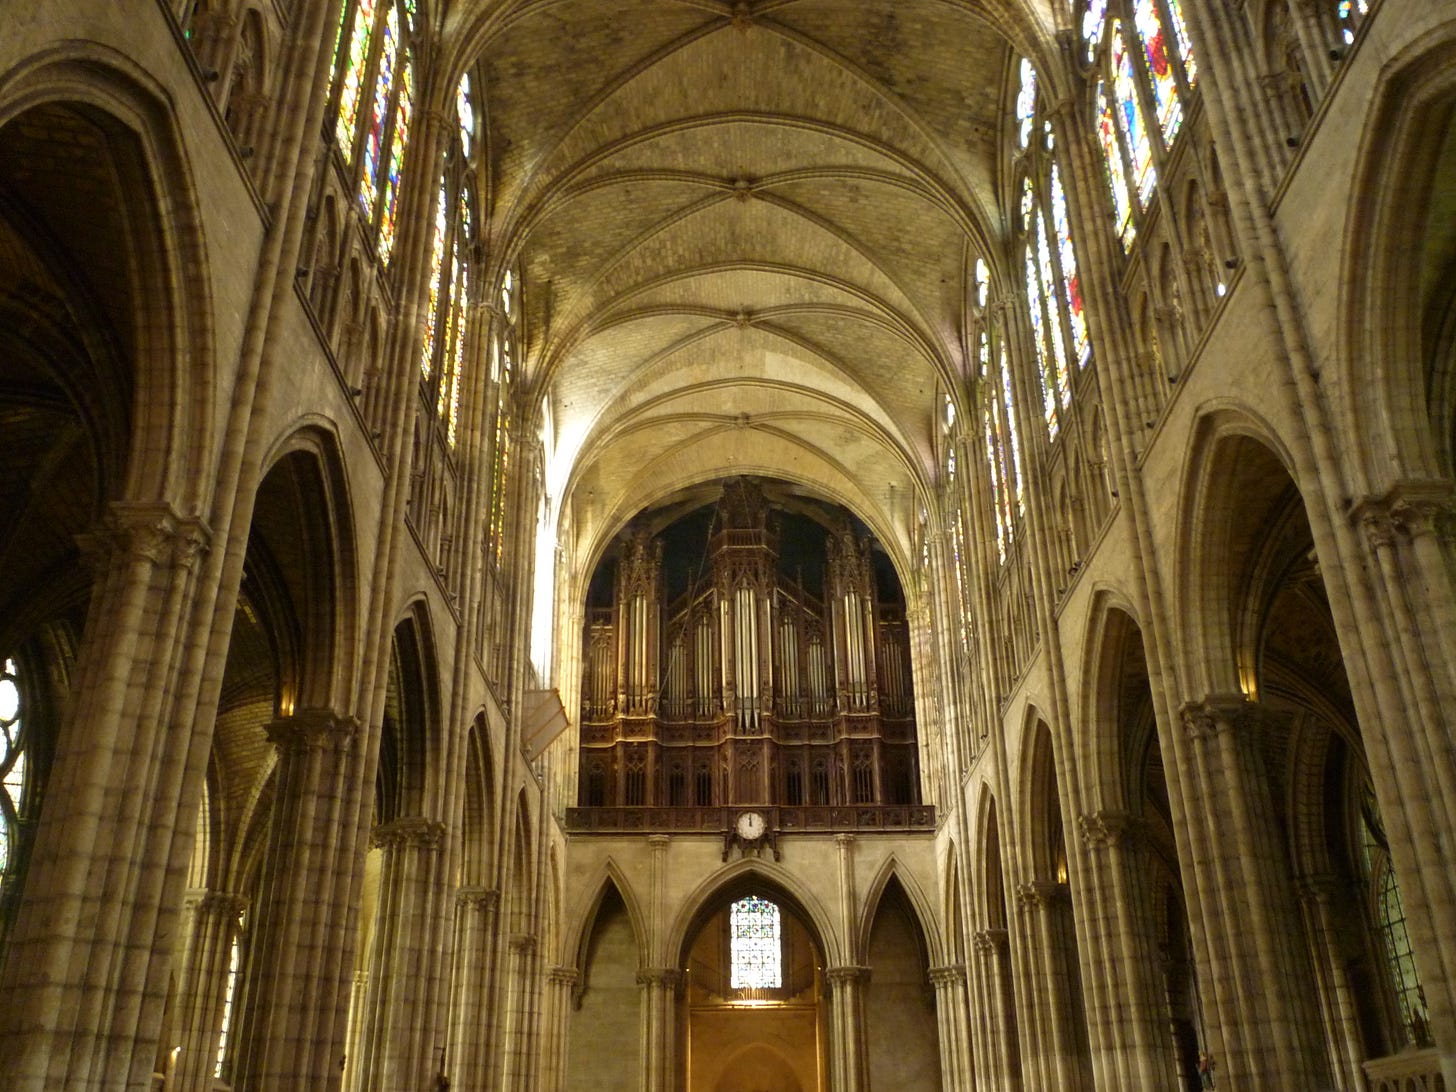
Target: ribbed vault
{"type": "Point", "coordinates": [745, 232]}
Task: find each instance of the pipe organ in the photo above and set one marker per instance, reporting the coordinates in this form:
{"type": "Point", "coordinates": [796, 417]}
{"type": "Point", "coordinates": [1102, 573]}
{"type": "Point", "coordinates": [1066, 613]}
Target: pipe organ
{"type": "Point", "coordinates": [716, 673]}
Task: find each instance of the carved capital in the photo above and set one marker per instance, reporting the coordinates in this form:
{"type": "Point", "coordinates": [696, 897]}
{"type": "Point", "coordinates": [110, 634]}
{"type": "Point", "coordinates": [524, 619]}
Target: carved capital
{"type": "Point", "coordinates": [521, 944]}
{"type": "Point", "coordinates": [563, 977]}
{"type": "Point", "coordinates": [1101, 829]}
{"type": "Point", "coordinates": [415, 830]}
{"type": "Point", "coordinates": [313, 730]}
{"type": "Point", "coordinates": [1219, 713]}
{"type": "Point", "coordinates": [220, 904]}
{"type": "Point", "coordinates": [1041, 893]}
{"type": "Point", "coordinates": [1317, 889]}
{"type": "Point", "coordinates": [838, 978]}
{"type": "Point", "coordinates": [151, 533]}
{"type": "Point", "coordinates": [990, 941]}
{"type": "Point", "coordinates": [665, 978]}
{"type": "Point", "coordinates": [481, 899]}
{"type": "Point", "coordinates": [952, 974]}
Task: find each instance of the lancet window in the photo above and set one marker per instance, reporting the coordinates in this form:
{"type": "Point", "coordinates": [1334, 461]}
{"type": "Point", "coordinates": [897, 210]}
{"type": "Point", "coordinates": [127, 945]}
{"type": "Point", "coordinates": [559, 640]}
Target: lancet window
{"type": "Point", "coordinates": [373, 105]}
{"type": "Point", "coordinates": [12, 772]}
{"type": "Point", "coordinates": [1053, 284]}
{"type": "Point", "coordinates": [756, 944]}
{"type": "Point", "coordinates": [998, 423]}
{"type": "Point", "coordinates": [443, 349]}
{"type": "Point", "coordinates": [503, 353]}
{"type": "Point", "coordinates": [1145, 71]}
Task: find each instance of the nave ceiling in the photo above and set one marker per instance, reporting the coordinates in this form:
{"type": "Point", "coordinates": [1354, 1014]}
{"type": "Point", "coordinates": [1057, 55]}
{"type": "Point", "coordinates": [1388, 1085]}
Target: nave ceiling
{"type": "Point", "coordinates": [746, 234]}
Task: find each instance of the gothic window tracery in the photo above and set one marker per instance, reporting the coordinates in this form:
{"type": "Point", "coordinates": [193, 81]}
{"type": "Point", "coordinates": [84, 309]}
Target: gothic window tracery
{"type": "Point", "coordinates": [756, 944]}
{"type": "Point", "coordinates": [12, 770]}
{"type": "Point", "coordinates": [373, 97]}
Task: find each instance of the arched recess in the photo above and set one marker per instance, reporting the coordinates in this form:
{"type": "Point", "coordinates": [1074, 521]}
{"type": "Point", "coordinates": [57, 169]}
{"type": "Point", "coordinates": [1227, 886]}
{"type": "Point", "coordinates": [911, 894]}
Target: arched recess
{"type": "Point", "coordinates": [303, 522]}
{"type": "Point", "coordinates": [478, 821]}
{"type": "Point", "coordinates": [1047, 918]}
{"type": "Point", "coordinates": [1263, 618]}
{"type": "Point", "coordinates": [1133, 827]}
{"type": "Point", "coordinates": [1397, 348]}
{"type": "Point", "coordinates": [900, 1016]}
{"type": "Point", "coordinates": [753, 965]}
{"type": "Point", "coordinates": [606, 1022]}
{"type": "Point", "coordinates": [105, 370]}
{"type": "Point", "coordinates": [409, 749]}
{"type": "Point", "coordinates": [995, 984]}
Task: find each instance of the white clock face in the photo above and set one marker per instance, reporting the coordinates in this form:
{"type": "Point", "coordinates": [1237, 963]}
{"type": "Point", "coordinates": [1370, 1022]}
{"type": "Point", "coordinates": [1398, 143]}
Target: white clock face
{"type": "Point", "coordinates": [751, 826]}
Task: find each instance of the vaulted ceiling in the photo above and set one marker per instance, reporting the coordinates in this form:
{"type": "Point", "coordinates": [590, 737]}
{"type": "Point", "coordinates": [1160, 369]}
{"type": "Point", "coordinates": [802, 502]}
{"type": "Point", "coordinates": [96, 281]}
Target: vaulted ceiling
{"type": "Point", "coordinates": [746, 232]}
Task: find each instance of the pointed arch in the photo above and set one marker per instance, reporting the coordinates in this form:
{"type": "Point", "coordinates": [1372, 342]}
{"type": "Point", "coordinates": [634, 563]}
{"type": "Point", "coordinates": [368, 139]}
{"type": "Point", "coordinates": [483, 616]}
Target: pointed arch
{"type": "Point", "coordinates": [610, 878]}
{"type": "Point", "coordinates": [892, 872]}
{"type": "Point", "coordinates": [748, 876]}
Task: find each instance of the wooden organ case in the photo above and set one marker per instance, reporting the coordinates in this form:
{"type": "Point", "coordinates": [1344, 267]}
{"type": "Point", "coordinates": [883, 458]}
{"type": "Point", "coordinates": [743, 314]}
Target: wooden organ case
{"type": "Point", "coordinates": [743, 684]}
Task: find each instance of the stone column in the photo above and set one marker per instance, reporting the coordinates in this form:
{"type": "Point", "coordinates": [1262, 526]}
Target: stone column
{"type": "Point", "coordinates": [213, 924]}
{"type": "Point", "coordinates": [299, 970]}
{"type": "Point", "coordinates": [518, 1032]}
{"type": "Point", "coordinates": [472, 1016]}
{"type": "Point", "coordinates": [1131, 1029]}
{"type": "Point", "coordinates": [848, 1068]}
{"type": "Point", "coordinates": [1342, 1030]}
{"type": "Point", "coordinates": [560, 983]}
{"type": "Point", "coordinates": [1266, 1022]}
{"type": "Point", "coordinates": [1000, 1043]}
{"type": "Point", "coordinates": [1045, 908]}
{"type": "Point", "coordinates": [86, 965]}
{"type": "Point", "coordinates": [952, 1019]}
{"type": "Point", "coordinates": [659, 1025]}
{"type": "Point", "coordinates": [397, 1051]}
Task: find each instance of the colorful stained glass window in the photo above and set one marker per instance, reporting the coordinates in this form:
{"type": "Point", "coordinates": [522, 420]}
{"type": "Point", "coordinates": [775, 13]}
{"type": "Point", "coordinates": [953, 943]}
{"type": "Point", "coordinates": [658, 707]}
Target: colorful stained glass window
{"type": "Point", "coordinates": [1161, 80]}
{"type": "Point", "coordinates": [1038, 337]}
{"type": "Point", "coordinates": [1116, 171]}
{"type": "Point", "coordinates": [755, 945]}
{"type": "Point", "coordinates": [374, 139]}
{"type": "Point", "coordinates": [12, 767]}
{"type": "Point", "coordinates": [1351, 12]}
{"type": "Point", "coordinates": [432, 304]}
{"type": "Point", "coordinates": [1026, 101]}
{"type": "Point", "coordinates": [1058, 375]}
{"type": "Point", "coordinates": [1071, 279]}
{"type": "Point", "coordinates": [358, 60]}
{"type": "Point", "coordinates": [450, 384]}
{"type": "Point", "coordinates": [400, 138]}
{"type": "Point", "coordinates": [1130, 118]}
{"type": "Point", "coordinates": [1184, 43]}
{"type": "Point", "coordinates": [502, 461]}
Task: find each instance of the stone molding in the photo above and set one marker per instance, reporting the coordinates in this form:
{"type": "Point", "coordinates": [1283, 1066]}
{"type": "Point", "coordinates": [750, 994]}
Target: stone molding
{"type": "Point", "coordinates": [563, 977]}
{"type": "Point", "coordinates": [1408, 510]}
{"type": "Point", "coordinates": [837, 978]}
{"type": "Point", "coordinates": [219, 903]}
{"type": "Point", "coordinates": [521, 944]}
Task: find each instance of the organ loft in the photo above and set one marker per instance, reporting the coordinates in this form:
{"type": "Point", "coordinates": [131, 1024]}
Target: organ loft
{"type": "Point", "coordinates": [751, 651]}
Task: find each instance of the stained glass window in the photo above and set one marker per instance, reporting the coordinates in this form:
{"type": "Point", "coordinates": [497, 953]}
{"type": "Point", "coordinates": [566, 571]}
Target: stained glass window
{"type": "Point", "coordinates": [1185, 43]}
{"type": "Point", "coordinates": [228, 998]}
{"type": "Point", "coordinates": [1130, 116]}
{"type": "Point", "coordinates": [1055, 379]}
{"type": "Point", "coordinates": [755, 946]}
{"type": "Point", "coordinates": [353, 76]}
{"type": "Point", "coordinates": [1161, 79]}
{"type": "Point", "coordinates": [1071, 281]}
{"type": "Point", "coordinates": [983, 282]}
{"type": "Point", "coordinates": [432, 305]}
{"type": "Point", "coordinates": [1351, 12]}
{"type": "Point", "coordinates": [1092, 20]}
{"type": "Point", "coordinates": [398, 141]}
{"type": "Point", "coordinates": [12, 766]}
{"type": "Point", "coordinates": [1116, 168]}
{"type": "Point", "coordinates": [1026, 100]}
{"type": "Point", "coordinates": [465, 112]}
{"type": "Point", "coordinates": [448, 406]}
{"type": "Point", "coordinates": [374, 148]}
